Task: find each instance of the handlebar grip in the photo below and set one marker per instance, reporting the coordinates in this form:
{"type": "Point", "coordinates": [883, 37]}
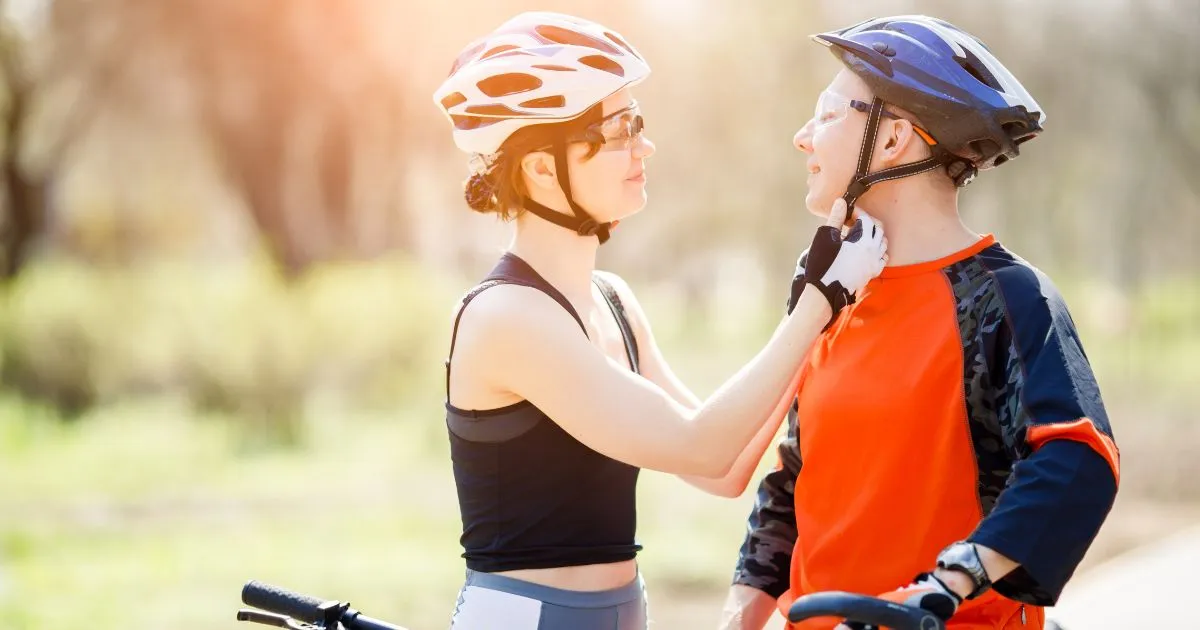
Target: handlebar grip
{"type": "Point", "coordinates": [863, 609]}
{"type": "Point", "coordinates": [278, 600]}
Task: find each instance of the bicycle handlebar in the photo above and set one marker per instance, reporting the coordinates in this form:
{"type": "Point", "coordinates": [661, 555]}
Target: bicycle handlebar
{"type": "Point", "coordinates": [282, 601]}
{"type": "Point", "coordinates": [324, 613]}
{"type": "Point", "coordinates": [863, 609]}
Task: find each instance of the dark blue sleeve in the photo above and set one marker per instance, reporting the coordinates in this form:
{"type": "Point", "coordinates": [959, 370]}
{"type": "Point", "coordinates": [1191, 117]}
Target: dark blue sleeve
{"type": "Point", "coordinates": [1047, 518]}
{"type": "Point", "coordinates": [1054, 426]}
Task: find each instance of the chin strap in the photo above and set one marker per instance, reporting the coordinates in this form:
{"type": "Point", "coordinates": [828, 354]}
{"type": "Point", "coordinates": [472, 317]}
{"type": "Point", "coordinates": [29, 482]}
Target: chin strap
{"type": "Point", "coordinates": [581, 223]}
{"type": "Point", "coordinates": [863, 182]}
{"type": "Point", "coordinates": [583, 228]}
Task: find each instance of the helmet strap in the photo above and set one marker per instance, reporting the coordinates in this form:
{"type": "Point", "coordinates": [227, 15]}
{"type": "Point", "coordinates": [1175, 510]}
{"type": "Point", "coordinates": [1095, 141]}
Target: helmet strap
{"type": "Point", "coordinates": [582, 223]}
{"type": "Point", "coordinates": [861, 182]}
{"type": "Point", "coordinates": [553, 216]}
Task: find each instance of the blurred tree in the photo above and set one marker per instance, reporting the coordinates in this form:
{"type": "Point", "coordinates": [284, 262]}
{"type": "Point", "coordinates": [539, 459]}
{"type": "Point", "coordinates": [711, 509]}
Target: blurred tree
{"type": "Point", "coordinates": [309, 124]}
{"type": "Point", "coordinates": [21, 217]}
{"type": "Point", "coordinates": [308, 121]}
{"type": "Point", "coordinates": [300, 116]}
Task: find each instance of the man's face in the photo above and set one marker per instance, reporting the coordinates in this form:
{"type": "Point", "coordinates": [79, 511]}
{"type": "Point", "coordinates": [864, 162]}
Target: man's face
{"type": "Point", "coordinates": [832, 139]}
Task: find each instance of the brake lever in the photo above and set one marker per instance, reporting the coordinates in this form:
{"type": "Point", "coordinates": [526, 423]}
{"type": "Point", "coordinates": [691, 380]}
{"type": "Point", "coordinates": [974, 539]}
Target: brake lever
{"type": "Point", "coordinates": [272, 619]}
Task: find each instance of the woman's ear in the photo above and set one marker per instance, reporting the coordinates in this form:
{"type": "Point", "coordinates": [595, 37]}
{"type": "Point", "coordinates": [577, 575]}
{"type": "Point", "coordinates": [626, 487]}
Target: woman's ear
{"type": "Point", "coordinates": [538, 168]}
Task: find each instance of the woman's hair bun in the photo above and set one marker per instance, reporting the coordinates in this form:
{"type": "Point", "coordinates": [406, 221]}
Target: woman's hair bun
{"type": "Point", "coordinates": [480, 193]}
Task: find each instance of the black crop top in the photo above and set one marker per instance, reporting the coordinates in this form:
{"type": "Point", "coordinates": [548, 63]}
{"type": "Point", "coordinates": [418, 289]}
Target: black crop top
{"type": "Point", "coordinates": [530, 495]}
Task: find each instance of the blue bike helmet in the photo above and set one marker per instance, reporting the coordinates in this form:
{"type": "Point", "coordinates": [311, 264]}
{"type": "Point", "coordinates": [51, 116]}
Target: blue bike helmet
{"type": "Point", "coordinates": [972, 108]}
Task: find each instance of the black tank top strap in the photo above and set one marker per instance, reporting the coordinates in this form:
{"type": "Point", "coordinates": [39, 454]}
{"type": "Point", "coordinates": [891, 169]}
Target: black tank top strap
{"type": "Point", "coordinates": [618, 311]}
{"type": "Point", "coordinates": [510, 270]}
{"type": "Point", "coordinates": [513, 270]}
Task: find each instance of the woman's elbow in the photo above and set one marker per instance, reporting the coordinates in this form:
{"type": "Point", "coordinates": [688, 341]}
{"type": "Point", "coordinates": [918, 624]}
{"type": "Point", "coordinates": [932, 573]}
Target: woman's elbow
{"type": "Point", "coordinates": [706, 463]}
{"type": "Point", "coordinates": [717, 487]}
{"type": "Point", "coordinates": [703, 467]}
{"type": "Point", "coordinates": [730, 490]}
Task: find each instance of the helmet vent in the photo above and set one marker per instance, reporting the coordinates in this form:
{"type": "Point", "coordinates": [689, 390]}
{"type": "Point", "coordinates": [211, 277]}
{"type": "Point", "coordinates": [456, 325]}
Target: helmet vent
{"type": "Point", "coordinates": [497, 50]}
{"type": "Point", "coordinates": [601, 62]}
{"type": "Point", "coordinates": [1019, 132]}
{"type": "Point", "coordinates": [494, 109]}
{"type": "Point", "coordinates": [451, 100]}
{"type": "Point", "coordinates": [560, 35]}
{"type": "Point", "coordinates": [985, 148]}
{"type": "Point", "coordinates": [620, 42]}
{"type": "Point", "coordinates": [471, 123]}
{"type": "Point", "coordinates": [509, 83]}
{"type": "Point", "coordinates": [546, 102]}
{"type": "Point", "coordinates": [976, 68]}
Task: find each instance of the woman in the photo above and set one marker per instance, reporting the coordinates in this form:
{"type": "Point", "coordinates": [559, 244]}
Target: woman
{"type": "Point", "coordinates": [549, 427]}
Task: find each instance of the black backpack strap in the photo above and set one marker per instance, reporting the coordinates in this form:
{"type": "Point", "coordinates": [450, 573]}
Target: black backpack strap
{"type": "Point", "coordinates": [618, 311]}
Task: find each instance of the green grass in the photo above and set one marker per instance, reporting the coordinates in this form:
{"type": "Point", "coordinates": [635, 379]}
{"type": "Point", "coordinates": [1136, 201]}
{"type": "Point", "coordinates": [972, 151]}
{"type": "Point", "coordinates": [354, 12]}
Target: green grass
{"type": "Point", "coordinates": [1145, 343]}
{"type": "Point", "coordinates": [141, 514]}
{"type": "Point", "coordinates": [237, 428]}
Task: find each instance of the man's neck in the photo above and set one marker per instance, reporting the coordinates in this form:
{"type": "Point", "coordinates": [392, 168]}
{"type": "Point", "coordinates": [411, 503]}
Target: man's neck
{"type": "Point", "coordinates": [920, 218]}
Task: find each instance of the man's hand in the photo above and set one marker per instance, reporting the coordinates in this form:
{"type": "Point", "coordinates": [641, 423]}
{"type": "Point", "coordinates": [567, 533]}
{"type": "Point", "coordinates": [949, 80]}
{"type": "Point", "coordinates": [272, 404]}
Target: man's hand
{"type": "Point", "coordinates": [746, 608]}
{"type": "Point", "coordinates": [927, 591]}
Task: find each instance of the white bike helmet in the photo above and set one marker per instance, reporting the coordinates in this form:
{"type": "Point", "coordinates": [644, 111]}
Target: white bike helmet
{"type": "Point", "coordinates": [536, 68]}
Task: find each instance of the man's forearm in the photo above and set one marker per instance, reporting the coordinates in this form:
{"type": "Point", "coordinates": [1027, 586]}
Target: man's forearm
{"type": "Point", "coordinates": [746, 608]}
{"type": "Point", "coordinates": [996, 565]}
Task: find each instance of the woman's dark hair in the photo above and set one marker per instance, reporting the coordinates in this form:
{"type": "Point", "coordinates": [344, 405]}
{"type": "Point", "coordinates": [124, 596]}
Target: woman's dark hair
{"type": "Point", "coordinates": [499, 189]}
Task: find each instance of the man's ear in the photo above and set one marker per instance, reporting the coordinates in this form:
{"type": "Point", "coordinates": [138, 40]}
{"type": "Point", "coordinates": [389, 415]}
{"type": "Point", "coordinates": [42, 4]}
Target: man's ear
{"type": "Point", "coordinates": [897, 137]}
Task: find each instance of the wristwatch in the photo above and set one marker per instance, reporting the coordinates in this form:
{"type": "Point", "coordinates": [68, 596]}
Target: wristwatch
{"type": "Point", "coordinates": [962, 556]}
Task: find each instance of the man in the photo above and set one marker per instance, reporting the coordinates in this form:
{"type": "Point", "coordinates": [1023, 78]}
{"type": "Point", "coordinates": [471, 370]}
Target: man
{"type": "Point", "coordinates": [947, 425]}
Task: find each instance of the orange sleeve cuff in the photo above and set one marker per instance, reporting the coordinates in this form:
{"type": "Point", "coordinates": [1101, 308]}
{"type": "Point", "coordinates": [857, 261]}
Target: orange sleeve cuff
{"type": "Point", "coordinates": [1081, 430]}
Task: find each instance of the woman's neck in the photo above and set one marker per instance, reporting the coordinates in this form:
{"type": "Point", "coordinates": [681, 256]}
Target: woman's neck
{"type": "Point", "coordinates": [565, 259]}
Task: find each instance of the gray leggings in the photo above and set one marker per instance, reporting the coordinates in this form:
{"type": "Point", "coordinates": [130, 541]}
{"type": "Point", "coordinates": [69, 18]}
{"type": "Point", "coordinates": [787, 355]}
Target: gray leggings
{"type": "Point", "coordinates": [498, 602]}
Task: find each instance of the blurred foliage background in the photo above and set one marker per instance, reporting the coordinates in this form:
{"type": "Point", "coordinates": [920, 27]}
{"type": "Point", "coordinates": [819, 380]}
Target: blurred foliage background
{"type": "Point", "coordinates": [231, 236]}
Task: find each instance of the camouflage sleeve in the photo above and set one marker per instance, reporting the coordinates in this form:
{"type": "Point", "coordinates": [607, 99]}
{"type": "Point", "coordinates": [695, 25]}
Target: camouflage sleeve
{"type": "Point", "coordinates": [764, 560]}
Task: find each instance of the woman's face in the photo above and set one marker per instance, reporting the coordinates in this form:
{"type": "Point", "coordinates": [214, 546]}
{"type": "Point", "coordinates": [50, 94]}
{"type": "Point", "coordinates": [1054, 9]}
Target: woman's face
{"type": "Point", "coordinates": [611, 184]}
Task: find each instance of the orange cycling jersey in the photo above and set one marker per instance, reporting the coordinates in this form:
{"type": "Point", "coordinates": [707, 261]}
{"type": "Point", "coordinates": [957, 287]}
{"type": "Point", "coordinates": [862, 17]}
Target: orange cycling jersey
{"type": "Point", "coordinates": [919, 421]}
